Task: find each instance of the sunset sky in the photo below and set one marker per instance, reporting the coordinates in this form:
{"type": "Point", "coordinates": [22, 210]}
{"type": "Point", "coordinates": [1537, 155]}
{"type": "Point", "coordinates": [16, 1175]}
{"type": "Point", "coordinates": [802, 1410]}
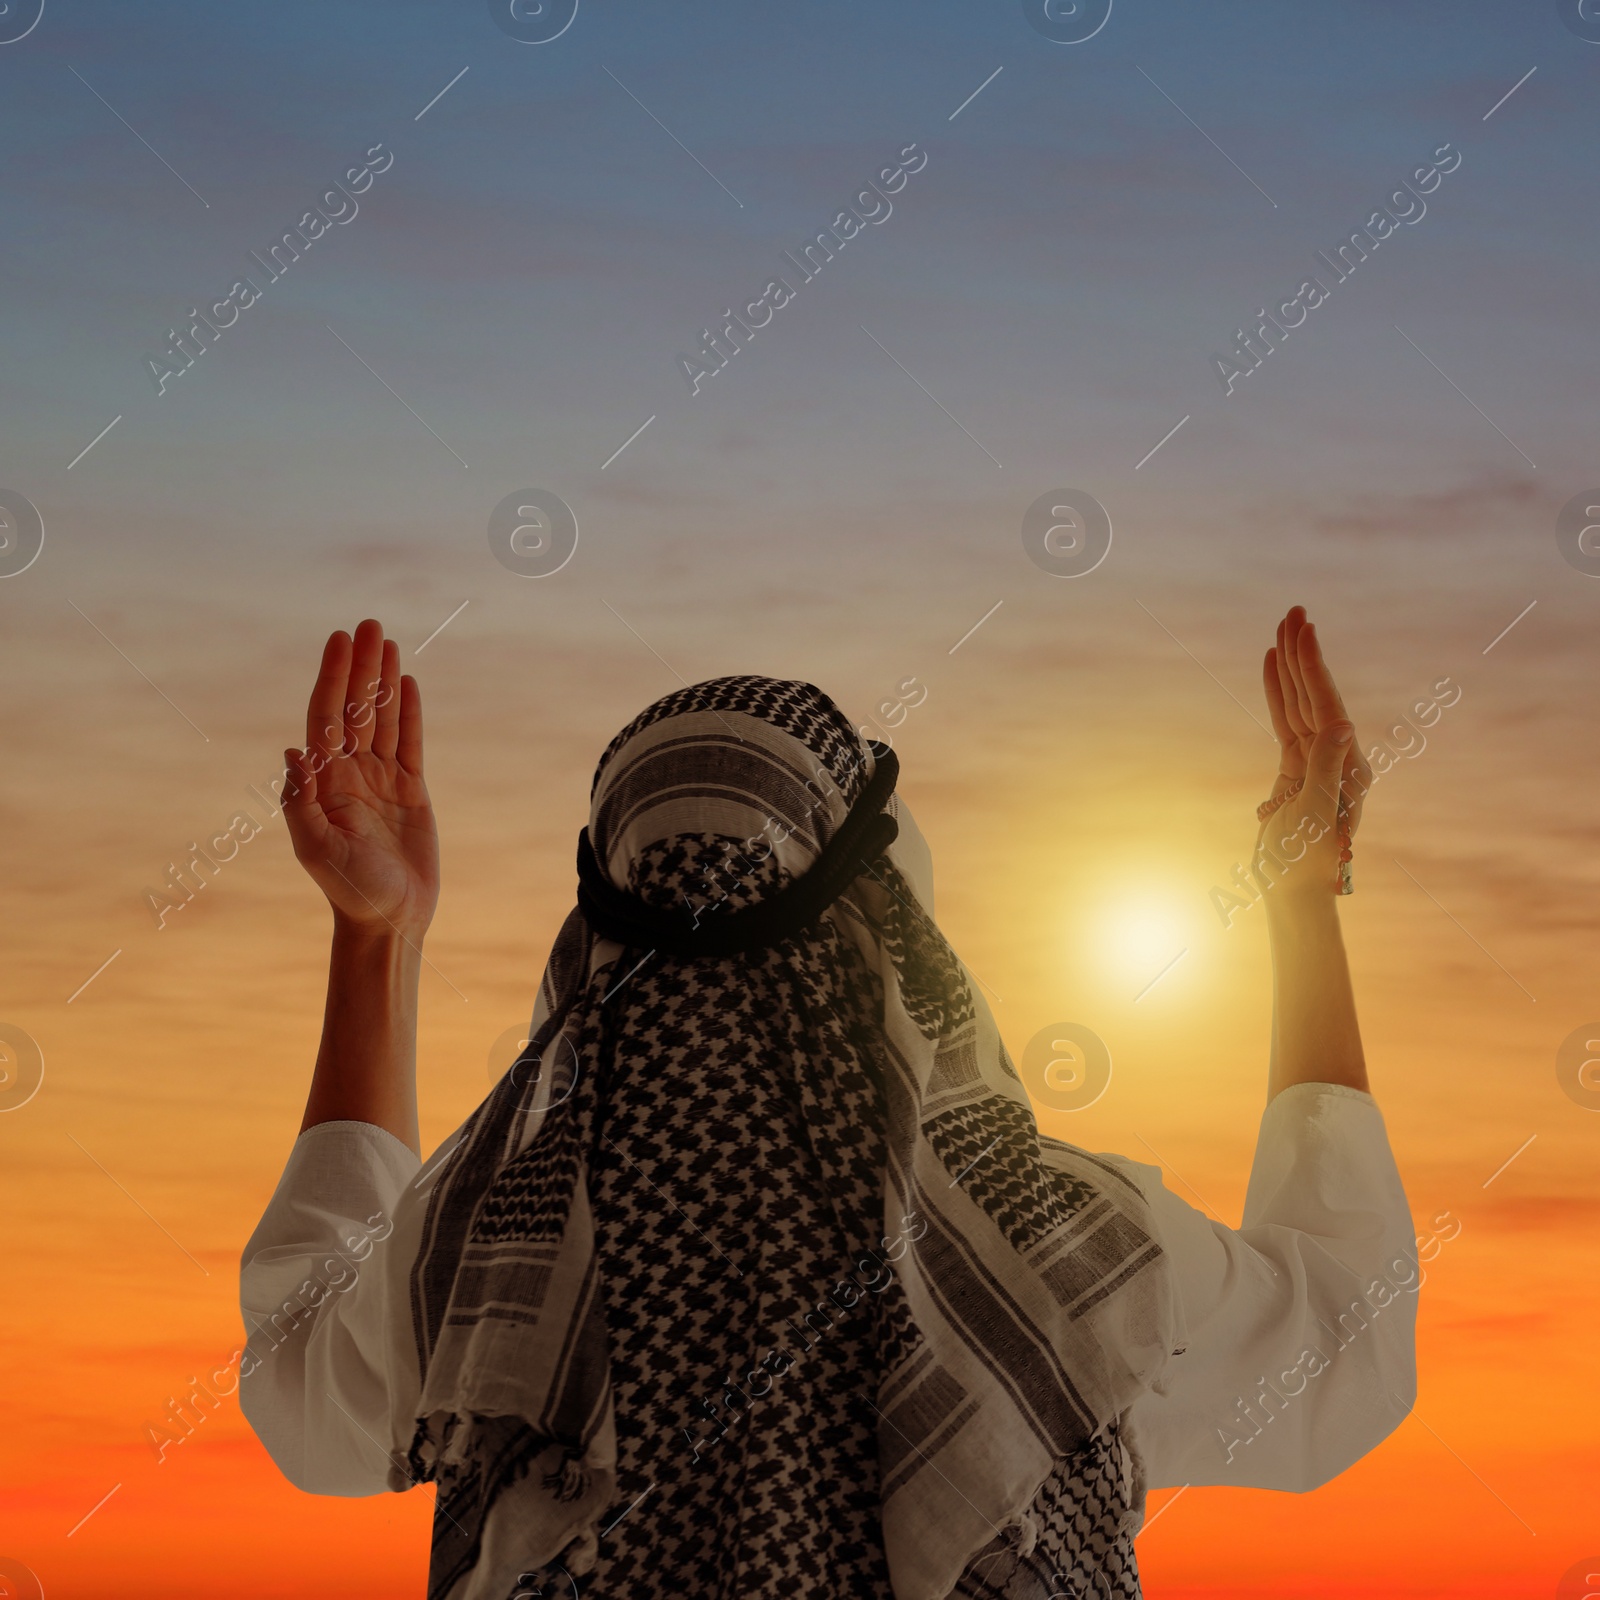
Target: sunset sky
{"type": "Point", "coordinates": [505, 309]}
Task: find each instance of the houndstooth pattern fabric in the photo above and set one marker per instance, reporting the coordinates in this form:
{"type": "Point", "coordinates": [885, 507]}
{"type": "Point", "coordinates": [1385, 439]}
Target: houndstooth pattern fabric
{"type": "Point", "coordinates": [711, 1268]}
{"type": "Point", "coordinates": [1071, 1541]}
{"type": "Point", "coordinates": [993, 1149]}
{"type": "Point", "coordinates": [798, 709]}
{"type": "Point", "coordinates": [744, 1278]}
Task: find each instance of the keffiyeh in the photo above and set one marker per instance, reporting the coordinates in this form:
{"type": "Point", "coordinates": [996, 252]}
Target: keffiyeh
{"type": "Point", "coordinates": [1023, 1303]}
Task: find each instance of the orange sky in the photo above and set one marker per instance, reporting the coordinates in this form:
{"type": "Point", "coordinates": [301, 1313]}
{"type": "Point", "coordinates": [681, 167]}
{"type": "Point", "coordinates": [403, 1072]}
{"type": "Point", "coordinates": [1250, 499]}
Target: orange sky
{"type": "Point", "coordinates": [1083, 783]}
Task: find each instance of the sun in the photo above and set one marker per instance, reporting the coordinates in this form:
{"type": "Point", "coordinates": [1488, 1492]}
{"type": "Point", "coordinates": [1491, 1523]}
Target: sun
{"type": "Point", "coordinates": [1139, 935]}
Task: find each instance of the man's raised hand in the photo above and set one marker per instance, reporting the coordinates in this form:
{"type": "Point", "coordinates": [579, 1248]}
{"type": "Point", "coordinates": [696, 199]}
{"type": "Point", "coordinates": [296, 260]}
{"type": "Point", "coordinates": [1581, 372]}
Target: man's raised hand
{"type": "Point", "coordinates": [355, 802]}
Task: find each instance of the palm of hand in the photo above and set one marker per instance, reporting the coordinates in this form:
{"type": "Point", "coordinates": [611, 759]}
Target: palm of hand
{"type": "Point", "coordinates": [381, 848]}
{"type": "Point", "coordinates": [1302, 698]}
{"type": "Point", "coordinates": [355, 801]}
{"type": "Point", "coordinates": [1293, 755]}
{"type": "Point", "coordinates": [1305, 706]}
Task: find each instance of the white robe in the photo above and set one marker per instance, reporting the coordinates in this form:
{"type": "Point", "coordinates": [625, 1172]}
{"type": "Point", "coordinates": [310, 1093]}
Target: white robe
{"type": "Point", "coordinates": [1297, 1352]}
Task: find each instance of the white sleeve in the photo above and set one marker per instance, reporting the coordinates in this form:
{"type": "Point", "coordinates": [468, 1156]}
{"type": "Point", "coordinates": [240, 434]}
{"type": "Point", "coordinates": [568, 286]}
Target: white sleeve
{"type": "Point", "coordinates": [1299, 1328]}
{"type": "Point", "coordinates": [314, 1286]}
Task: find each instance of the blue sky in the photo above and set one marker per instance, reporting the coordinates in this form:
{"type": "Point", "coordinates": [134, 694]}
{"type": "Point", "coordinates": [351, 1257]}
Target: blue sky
{"type": "Point", "coordinates": [541, 250]}
{"type": "Point", "coordinates": [560, 224]}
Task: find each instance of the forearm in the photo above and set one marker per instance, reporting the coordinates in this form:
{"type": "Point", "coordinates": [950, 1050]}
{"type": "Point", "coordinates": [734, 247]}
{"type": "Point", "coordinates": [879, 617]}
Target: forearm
{"type": "Point", "coordinates": [367, 1063]}
{"type": "Point", "coordinates": [1315, 1035]}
